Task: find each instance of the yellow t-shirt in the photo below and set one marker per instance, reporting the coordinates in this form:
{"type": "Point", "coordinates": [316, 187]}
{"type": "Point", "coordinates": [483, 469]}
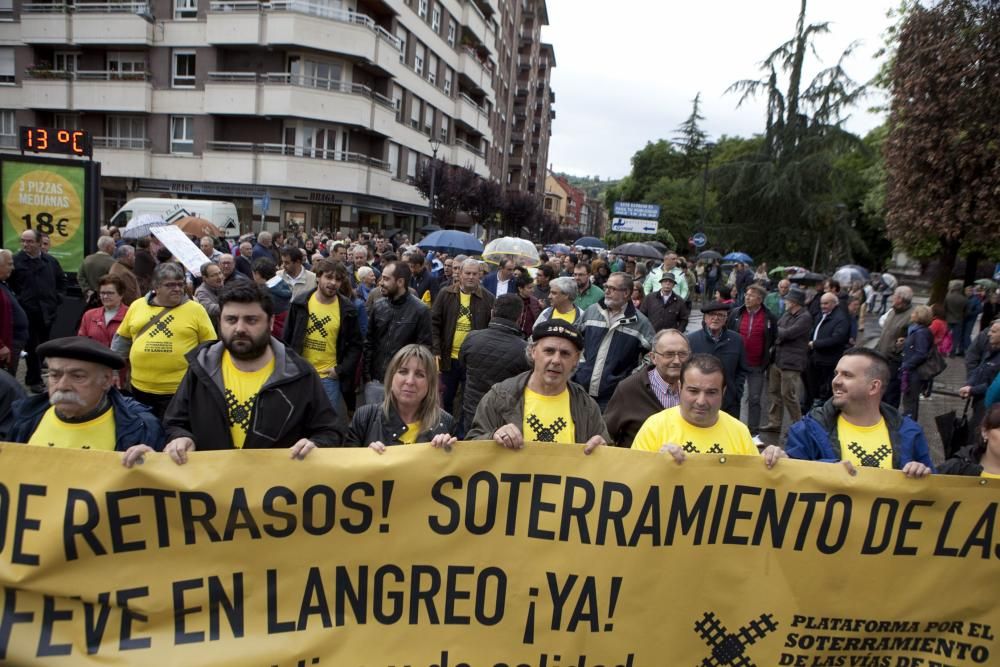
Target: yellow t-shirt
{"type": "Point", "coordinates": [865, 446]}
{"type": "Point", "coordinates": [241, 395]}
{"type": "Point", "coordinates": [157, 356]}
{"type": "Point", "coordinates": [728, 436]}
{"type": "Point", "coordinates": [569, 317]}
{"type": "Point", "coordinates": [409, 437]}
{"type": "Point", "coordinates": [989, 475]}
{"type": "Point", "coordinates": [320, 345]}
{"type": "Point", "coordinates": [98, 433]}
{"type": "Point", "coordinates": [464, 323]}
{"type": "Point", "coordinates": [548, 418]}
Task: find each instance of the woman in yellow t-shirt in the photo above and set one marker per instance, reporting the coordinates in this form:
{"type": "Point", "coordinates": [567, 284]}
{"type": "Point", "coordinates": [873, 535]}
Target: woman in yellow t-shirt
{"type": "Point", "coordinates": [562, 294]}
{"type": "Point", "coordinates": [411, 411]}
{"type": "Point", "coordinates": [981, 459]}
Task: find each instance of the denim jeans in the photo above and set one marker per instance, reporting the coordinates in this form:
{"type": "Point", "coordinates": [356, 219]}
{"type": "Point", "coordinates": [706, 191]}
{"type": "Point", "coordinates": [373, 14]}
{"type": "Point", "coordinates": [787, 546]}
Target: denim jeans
{"type": "Point", "coordinates": [332, 389]}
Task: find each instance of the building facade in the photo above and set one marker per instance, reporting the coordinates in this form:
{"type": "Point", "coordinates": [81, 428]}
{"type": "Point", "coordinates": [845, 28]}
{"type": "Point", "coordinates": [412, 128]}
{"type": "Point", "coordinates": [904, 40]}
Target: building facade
{"type": "Point", "coordinates": [323, 107]}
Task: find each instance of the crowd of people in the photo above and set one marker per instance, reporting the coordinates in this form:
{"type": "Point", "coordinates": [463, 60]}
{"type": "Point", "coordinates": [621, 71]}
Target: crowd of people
{"type": "Point", "coordinates": [300, 341]}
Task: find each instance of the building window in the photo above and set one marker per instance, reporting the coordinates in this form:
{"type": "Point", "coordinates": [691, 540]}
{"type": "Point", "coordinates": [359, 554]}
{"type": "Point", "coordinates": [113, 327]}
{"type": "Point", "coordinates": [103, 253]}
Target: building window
{"type": "Point", "coordinates": [127, 64]}
{"type": "Point", "coordinates": [66, 121]}
{"type": "Point", "coordinates": [422, 9]}
{"type": "Point", "coordinates": [452, 32]}
{"type": "Point", "coordinates": [428, 118]}
{"type": "Point", "coordinates": [183, 74]}
{"type": "Point", "coordinates": [8, 129]}
{"type": "Point", "coordinates": [447, 81]}
{"type": "Point", "coordinates": [418, 59]}
{"type": "Point", "coordinates": [411, 164]}
{"type": "Point", "coordinates": [182, 134]}
{"type": "Point", "coordinates": [185, 9]}
{"type": "Point", "coordinates": [394, 159]}
{"type": "Point", "coordinates": [126, 132]}
{"type": "Point", "coordinates": [436, 18]}
{"type": "Point", "coordinates": [7, 68]}
{"type": "Point", "coordinates": [415, 113]}
{"type": "Point", "coordinates": [432, 69]}
{"type": "Point", "coordinates": [444, 129]}
{"type": "Point", "coordinates": [65, 61]}
{"type": "Point", "coordinates": [401, 35]}
{"type": "Point", "coordinates": [397, 100]}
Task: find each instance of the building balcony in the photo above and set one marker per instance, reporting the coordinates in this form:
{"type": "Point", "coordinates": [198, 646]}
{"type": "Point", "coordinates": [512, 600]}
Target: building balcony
{"type": "Point", "coordinates": [475, 71]}
{"type": "Point", "coordinates": [86, 23]}
{"type": "Point", "coordinates": [87, 91]}
{"type": "Point", "coordinates": [467, 155]}
{"type": "Point", "coordinates": [472, 115]}
{"type": "Point", "coordinates": [295, 166]}
{"type": "Point", "coordinates": [282, 94]}
{"type": "Point", "coordinates": [123, 156]}
{"type": "Point", "coordinates": [473, 22]}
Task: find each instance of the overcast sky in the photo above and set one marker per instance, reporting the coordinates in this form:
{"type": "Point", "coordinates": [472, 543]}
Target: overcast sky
{"type": "Point", "coordinates": [626, 71]}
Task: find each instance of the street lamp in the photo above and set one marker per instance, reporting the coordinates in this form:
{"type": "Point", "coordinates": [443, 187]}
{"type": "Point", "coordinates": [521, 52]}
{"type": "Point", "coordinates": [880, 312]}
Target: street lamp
{"type": "Point", "coordinates": [435, 145]}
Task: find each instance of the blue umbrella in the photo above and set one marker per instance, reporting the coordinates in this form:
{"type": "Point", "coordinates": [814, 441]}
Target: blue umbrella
{"type": "Point", "coordinates": [738, 257]}
{"type": "Point", "coordinates": [452, 242]}
{"type": "Point", "coordinates": [557, 247]}
{"type": "Point", "coordinates": [591, 242]}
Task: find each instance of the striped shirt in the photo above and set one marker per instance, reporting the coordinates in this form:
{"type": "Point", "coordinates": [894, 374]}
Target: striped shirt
{"type": "Point", "coordinates": [665, 394]}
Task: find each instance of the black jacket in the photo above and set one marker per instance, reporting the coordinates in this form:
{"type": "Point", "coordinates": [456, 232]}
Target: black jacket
{"type": "Point", "coordinates": [673, 315]}
{"type": "Point", "coordinates": [349, 342]}
{"type": "Point", "coordinates": [831, 340]}
{"type": "Point", "coordinates": [444, 318]}
{"type": "Point", "coordinates": [39, 284]}
{"type": "Point", "coordinates": [291, 405]}
{"type": "Point", "coordinates": [391, 325]}
{"type": "Point", "coordinates": [729, 350]}
{"type": "Point", "coordinates": [371, 425]}
{"type": "Point", "coordinates": [425, 282]}
{"type": "Point", "coordinates": [965, 461]}
{"type": "Point", "coordinates": [770, 329]}
{"type": "Point", "coordinates": [490, 356]}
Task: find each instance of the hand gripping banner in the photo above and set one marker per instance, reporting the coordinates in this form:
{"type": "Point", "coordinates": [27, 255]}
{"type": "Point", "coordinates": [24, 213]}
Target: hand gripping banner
{"type": "Point", "coordinates": [482, 556]}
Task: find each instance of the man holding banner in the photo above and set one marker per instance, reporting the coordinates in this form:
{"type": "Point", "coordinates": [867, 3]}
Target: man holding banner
{"type": "Point", "coordinates": [542, 405]}
{"type": "Point", "coordinates": [855, 426]}
{"type": "Point", "coordinates": [248, 391]}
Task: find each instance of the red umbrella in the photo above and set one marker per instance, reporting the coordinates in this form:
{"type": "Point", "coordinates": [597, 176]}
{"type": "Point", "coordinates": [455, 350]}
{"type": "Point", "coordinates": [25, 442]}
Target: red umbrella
{"type": "Point", "coordinates": [195, 226]}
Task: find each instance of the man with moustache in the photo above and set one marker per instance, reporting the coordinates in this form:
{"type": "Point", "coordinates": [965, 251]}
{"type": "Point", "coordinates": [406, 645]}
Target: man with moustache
{"type": "Point", "coordinates": [247, 391]}
{"type": "Point", "coordinates": [654, 388]}
{"type": "Point", "coordinates": [82, 409]}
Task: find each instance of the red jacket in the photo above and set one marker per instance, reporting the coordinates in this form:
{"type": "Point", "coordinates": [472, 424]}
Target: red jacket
{"type": "Point", "coordinates": [92, 325]}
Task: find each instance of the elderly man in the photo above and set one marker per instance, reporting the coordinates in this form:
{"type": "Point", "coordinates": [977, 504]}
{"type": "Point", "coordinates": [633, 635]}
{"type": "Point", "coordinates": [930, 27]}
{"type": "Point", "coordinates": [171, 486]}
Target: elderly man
{"type": "Point", "coordinates": [664, 309]}
{"type": "Point", "coordinates": [156, 334]}
{"type": "Point", "coordinates": [459, 309]}
{"type": "Point", "coordinates": [697, 425]}
{"type": "Point", "coordinates": [248, 391]}
{"type": "Point", "coordinates": [13, 319]}
{"type": "Point", "coordinates": [828, 341]}
{"type": "Point", "coordinates": [791, 357]}
{"type": "Point", "coordinates": [775, 301]}
{"type": "Point", "coordinates": [890, 342]}
{"type": "Point", "coordinates": [244, 259]}
{"type": "Point", "coordinates": [299, 279]}
{"type": "Point", "coordinates": [208, 291]}
{"type": "Point", "coordinates": [501, 281]}
{"type": "Point", "coordinates": [654, 388]}
{"type": "Point", "coordinates": [207, 246]}
{"type": "Point", "coordinates": [616, 337]}
{"type": "Point", "coordinates": [587, 293]}
{"type": "Point", "coordinates": [855, 426]}
{"type": "Point", "coordinates": [39, 283]}
{"type": "Point", "coordinates": [124, 262]}
{"type": "Point", "coordinates": [82, 409]}
{"type": "Point", "coordinates": [265, 248]}
{"type": "Point", "coordinates": [542, 404]}
{"type": "Point", "coordinates": [727, 346]}
{"type": "Point", "coordinates": [230, 275]}
{"type": "Point", "coordinates": [669, 266]}
{"type": "Point", "coordinates": [758, 328]}
{"type": "Point", "coordinates": [94, 266]}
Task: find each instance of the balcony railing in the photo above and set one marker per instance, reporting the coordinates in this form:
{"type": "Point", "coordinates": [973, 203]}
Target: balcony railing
{"type": "Point", "coordinates": [471, 102]}
{"type": "Point", "coordinates": [122, 143]}
{"type": "Point", "coordinates": [311, 9]}
{"type": "Point", "coordinates": [289, 79]}
{"type": "Point", "coordinates": [86, 7]}
{"type": "Point", "coordinates": [295, 150]}
{"type": "Point", "coordinates": [86, 75]}
{"type": "Point", "coordinates": [469, 147]}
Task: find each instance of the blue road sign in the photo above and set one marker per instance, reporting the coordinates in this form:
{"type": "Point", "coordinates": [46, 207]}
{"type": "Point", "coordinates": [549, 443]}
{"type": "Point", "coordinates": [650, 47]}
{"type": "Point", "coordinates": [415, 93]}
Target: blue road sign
{"type": "Point", "coordinates": [626, 209]}
{"type": "Point", "coordinates": [699, 240]}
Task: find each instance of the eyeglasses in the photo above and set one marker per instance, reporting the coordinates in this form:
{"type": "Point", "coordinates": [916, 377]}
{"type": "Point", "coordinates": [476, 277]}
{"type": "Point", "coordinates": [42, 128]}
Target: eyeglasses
{"type": "Point", "coordinates": [614, 289]}
{"type": "Point", "coordinates": [673, 355]}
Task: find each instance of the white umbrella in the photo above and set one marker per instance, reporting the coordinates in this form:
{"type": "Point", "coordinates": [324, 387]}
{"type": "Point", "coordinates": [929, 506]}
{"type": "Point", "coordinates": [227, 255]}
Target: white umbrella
{"type": "Point", "coordinates": [141, 225]}
{"type": "Point", "coordinates": [523, 252]}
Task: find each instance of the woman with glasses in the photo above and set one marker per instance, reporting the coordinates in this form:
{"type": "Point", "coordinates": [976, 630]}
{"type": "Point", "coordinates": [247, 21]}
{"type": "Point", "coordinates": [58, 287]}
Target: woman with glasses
{"type": "Point", "coordinates": [157, 332]}
{"type": "Point", "coordinates": [102, 323]}
{"type": "Point", "coordinates": [562, 294]}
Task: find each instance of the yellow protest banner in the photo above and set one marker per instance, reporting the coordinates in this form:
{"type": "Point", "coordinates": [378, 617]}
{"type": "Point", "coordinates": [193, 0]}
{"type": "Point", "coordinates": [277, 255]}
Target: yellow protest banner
{"type": "Point", "coordinates": [486, 557]}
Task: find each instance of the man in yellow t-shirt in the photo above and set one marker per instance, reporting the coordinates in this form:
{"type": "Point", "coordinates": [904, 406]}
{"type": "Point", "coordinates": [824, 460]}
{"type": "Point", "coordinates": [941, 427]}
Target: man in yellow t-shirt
{"type": "Point", "coordinates": [82, 409]}
{"type": "Point", "coordinates": [156, 334]}
{"type": "Point", "coordinates": [697, 425]}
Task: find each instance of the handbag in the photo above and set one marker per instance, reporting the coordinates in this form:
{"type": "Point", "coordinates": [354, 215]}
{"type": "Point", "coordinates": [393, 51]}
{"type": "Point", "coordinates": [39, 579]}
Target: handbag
{"type": "Point", "coordinates": [954, 429]}
{"type": "Point", "coordinates": [933, 366]}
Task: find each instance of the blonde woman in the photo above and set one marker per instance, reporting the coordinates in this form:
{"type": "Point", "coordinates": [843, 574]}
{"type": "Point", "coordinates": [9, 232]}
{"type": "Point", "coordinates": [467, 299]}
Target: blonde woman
{"type": "Point", "coordinates": [411, 410]}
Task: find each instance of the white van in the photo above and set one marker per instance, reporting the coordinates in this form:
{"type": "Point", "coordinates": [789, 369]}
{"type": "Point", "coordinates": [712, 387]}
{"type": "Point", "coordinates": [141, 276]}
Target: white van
{"type": "Point", "coordinates": [222, 214]}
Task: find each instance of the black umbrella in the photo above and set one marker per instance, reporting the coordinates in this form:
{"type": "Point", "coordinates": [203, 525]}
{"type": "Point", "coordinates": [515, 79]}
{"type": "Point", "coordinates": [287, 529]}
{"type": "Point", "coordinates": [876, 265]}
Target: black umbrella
{"type": "Point", "coordinates": [390, 232]}
{"type": "Point", "coordinates": [659, 246]}
{"type": "Point", "coordinates": [638, 250]}
{"type": "Point", "coordinates": [710, 254]}
{"type": "Point", "coordinates": [427, 229]}
{"type": "Point", "coordinates": [807, 277]}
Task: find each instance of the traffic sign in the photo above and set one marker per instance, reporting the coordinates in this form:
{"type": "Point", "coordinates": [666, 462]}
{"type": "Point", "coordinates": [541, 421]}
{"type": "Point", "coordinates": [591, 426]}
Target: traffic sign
{"type": "Point", "coordinates": [627, 209]}
{"type": "Point", "coordinates": [265, 203]}
{"type": "Point", "coordinates": [699, 240]}
{"type": "Point", "coordinates": [634, 225]}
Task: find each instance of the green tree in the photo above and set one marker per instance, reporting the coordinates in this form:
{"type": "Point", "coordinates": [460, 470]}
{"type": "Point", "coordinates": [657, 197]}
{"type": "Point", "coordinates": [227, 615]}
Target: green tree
{"type": "Point", "coordinates": [942, 154]}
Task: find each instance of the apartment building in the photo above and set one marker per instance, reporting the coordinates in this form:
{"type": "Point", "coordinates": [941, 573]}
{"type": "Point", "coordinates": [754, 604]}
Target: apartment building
{"type": "Point", "coordinates": [325, 106]}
